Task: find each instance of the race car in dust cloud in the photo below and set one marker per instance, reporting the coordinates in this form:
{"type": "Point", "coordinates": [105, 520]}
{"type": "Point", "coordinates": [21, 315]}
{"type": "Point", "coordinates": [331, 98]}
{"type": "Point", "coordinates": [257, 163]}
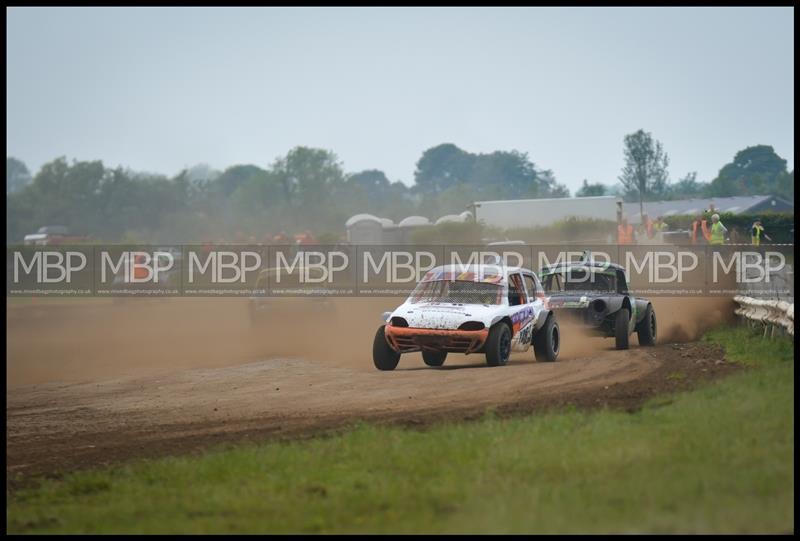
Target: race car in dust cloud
{"type": "Point", "coordinates": [595, 297]}
{"type": "Point", "coordinates": [489, 309]}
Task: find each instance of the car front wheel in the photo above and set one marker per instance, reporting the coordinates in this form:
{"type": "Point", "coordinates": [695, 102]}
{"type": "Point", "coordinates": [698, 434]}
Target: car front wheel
{"type": "Point", "coordinates": [547, 342]}
{"type": "Point", "coordinates": [384, 357]}
{"type": "Point", "coordinates": [646, 330]}
{"type": "Point", "coordinates": [621, 328]}
{"type": "Point", "coordinates": [498, 345]}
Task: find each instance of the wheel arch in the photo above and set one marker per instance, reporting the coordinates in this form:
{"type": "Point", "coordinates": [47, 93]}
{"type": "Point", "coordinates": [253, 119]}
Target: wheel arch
{"type": "Point", "coordinates": [503, 319]}
{"type": "Point", "coordinates": [643, 305]}
{"type": "Point", "coordinates": [541, 321]}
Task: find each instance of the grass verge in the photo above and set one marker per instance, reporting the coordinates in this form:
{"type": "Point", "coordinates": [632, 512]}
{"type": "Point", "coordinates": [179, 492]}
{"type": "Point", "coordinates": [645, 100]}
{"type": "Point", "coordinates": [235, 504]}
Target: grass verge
{"type": "Point", "coordinates": [718, 459]}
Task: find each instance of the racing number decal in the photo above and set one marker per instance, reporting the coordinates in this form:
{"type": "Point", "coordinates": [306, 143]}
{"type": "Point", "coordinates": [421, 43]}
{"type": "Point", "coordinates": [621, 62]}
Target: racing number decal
{"type": "Point", "coordinates": [523, 324]}
{"type": "Point", "coordinates": [526, 334]}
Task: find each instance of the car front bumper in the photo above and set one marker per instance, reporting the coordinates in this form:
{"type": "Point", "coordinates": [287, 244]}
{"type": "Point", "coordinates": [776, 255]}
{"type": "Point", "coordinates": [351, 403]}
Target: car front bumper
{"type": "Point", "coordinates": [409, 339]}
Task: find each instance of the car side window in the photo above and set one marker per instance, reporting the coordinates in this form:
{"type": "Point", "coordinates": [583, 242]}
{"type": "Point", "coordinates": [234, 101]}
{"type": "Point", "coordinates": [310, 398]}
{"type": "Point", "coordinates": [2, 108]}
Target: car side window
{"type": "Point", "coordinates": [622, 285]}
{"type": "Point", "coordinates": [516, 291]}
{"type": "Point", "coordinates": [553, 283]}
{"type": "Point", "coordinates": [530, 285]}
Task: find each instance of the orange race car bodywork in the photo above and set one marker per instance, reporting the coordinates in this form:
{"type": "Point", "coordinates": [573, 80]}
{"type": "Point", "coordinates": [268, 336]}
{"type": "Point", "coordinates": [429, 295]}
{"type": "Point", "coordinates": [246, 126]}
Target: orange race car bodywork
{"type": "Point", "coordinates": [406, 339]}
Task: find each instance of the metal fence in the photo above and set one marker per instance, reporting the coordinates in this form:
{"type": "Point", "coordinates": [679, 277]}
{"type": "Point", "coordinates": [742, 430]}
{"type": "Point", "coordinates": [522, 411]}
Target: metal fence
{"type": "Point", "coordinates": [774, 315]}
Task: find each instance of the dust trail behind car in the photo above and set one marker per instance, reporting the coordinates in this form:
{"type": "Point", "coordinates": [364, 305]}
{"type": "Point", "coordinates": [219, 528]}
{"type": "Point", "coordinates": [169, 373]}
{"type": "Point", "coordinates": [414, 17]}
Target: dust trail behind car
{"type": "Point", "coordinates": [97, 339]}
{"type": "Point", "coordinates": [93, 382]}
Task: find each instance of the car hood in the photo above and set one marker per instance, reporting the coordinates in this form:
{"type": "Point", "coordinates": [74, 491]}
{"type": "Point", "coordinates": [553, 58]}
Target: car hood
{"type": "Point", "coordinates": [433, 315]}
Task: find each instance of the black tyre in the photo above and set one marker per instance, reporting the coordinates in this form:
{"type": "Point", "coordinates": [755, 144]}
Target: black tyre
{"type": "Point", "coordinates": [646, 329]}
{"type": "Point", "coordinates": [498, 345]}
{"type": "Point", "coordinates": [434, 358]}
{"type": "Point", "coordinates": [547, 342]}
{"type": "Point", "coordinates": [384, 357]}
{"type": "Point", "coordinates": [621, 328]}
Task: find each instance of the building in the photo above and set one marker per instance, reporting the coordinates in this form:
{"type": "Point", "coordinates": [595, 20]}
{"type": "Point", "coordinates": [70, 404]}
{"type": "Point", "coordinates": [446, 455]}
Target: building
{"type": "Point", "coordinates": [541, 212]}
{"type": "Point", "coordinates": [745, 204]}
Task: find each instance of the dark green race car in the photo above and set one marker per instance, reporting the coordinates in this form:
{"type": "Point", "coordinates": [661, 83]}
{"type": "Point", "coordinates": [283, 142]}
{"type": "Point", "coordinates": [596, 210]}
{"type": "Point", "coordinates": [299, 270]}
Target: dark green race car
{"type": "Point", "coordinates": [595, 296]}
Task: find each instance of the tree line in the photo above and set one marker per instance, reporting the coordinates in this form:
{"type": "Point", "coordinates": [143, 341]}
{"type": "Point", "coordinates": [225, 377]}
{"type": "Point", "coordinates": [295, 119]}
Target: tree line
{"type": "Point", "coordinates": [755, 170]}
{"type": "Point", "coordinates": [308, 190]}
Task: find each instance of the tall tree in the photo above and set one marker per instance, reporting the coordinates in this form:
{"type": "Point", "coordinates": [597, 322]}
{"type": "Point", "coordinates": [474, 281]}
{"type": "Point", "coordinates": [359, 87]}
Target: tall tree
{"type": "Point", "coordinates": [200, 173]}
{"type": "Point", "coordinates": [500, 174]}
{"type": "Point", "coordinates": [17, 175]}
{"type": "Point", "coordinates": [756, 170]}
{"type": "Point", "coordinates": [308, 172]}
{"type": "Point", "coordinates": [591, 190]}
{"type": "Point", "coordinates": [548, 185]}
{"type": "Point", "coordinates": [441, 167]}
{"type": "Point", "coordinates": [785, 185]}
{"type": "Point", "coordinates": [645, 171]}
{"type": "Point", "coordinates": [687, 187]}
{"type": "Point", "coordinates": [233, 177]}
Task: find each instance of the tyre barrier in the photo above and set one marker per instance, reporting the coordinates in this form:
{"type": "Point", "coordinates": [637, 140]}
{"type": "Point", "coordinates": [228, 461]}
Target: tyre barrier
{"type": "Point", "coordinates": [771, 313]}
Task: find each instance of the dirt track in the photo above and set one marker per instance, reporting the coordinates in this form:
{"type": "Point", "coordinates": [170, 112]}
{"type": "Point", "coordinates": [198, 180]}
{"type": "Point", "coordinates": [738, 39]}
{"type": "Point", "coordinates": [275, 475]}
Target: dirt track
{"type": "Point", "coordinates": [98, 382]}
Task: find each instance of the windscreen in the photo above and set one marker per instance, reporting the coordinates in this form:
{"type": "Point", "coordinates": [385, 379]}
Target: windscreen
{"type": "Point", "coordinates": [459, 292]}
{"type": "Point", "coordinates": [579, 280]}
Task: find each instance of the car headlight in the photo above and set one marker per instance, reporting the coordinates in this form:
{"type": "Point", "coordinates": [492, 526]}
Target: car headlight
{"type": "Point", "coordinates": [399, 322]}
{"type": "Point", "coordinates": [472, 326]}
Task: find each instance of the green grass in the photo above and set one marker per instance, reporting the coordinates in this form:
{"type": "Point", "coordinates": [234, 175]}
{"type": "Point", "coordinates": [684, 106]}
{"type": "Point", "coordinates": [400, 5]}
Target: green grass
{"type": "Point", "coordinates": [746, 346]}
{"type": "Point", "coordinates": [718, 459]}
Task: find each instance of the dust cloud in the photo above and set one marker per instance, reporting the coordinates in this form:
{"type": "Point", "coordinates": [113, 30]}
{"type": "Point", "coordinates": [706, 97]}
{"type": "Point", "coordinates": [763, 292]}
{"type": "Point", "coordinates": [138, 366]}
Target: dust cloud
{"type": "Point", "coordinates": [71, 340]}
{"type": "Point", "coordinates": [93, 339]}
{"type": "Point", "coordinates": [684, 319]}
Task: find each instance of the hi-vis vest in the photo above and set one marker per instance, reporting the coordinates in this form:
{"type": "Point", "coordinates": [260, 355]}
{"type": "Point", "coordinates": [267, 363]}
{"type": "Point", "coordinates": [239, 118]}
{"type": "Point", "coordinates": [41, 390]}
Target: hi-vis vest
{"type": "Point", "coordinates": [625, 234]}
{"type": "Point", "coordinates": [755, 235]}
{"type": "Point", "coordinates": [717, 236]}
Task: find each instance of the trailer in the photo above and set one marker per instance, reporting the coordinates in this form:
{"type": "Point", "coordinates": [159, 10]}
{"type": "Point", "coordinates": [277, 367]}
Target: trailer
{"type": "Point", "coordinates": [537, 212]}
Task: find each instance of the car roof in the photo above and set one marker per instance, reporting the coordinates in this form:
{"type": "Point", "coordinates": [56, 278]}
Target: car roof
{"type": "Point", "coordinates": [591, 265]}
{"type": "Point", "coordinates": [490, 273]}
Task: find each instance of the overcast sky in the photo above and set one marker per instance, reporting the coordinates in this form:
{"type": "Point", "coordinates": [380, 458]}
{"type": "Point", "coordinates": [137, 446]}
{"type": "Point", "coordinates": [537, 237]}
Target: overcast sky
{"type": "Point", "coordinates": [161, 89]}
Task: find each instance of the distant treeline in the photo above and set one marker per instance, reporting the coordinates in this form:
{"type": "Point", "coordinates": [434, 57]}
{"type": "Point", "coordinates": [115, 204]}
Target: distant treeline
{"type": "Point", "coordinates": [756, 170]}
{"type": "Point", "coordinates": [309, 190]}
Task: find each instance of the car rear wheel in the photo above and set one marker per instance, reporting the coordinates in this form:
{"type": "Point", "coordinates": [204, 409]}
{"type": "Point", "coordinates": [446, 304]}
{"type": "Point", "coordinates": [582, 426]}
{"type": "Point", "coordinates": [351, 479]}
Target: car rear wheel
{"type": "Point", "coordinates": [646, 330]}
{"type": "Point", "coordinates": [547, 342]}
{"type": "Point", "coordinates": [621, 328]}
{"type": "Point", "coordinates": [434, 358]}
{"type": "Point", "coordinates": [498, 345]}
{"type": "Point", "coordinates": [384, 357]}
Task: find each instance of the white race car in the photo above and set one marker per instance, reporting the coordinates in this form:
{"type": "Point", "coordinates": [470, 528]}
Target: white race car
{"type": "Point", "coordinates": [491, 309]}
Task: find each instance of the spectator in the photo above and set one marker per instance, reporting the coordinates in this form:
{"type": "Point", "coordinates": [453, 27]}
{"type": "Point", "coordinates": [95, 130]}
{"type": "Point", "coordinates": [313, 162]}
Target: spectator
{"type": "Point", "coordinates": [625, 234]}
{"type": "Point", "coordinates": [718, 231]}
{"type": "Point", "coordinates": [699, 226]}
{"type": "Point", "coordinates": [757, 232]}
